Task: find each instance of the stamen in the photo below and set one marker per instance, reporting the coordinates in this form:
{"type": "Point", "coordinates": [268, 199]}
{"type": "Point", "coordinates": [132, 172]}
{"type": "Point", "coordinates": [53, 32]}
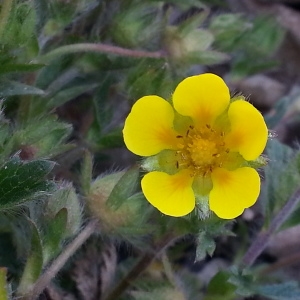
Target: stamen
{"type": "Point", "coordinates": [201, 150]}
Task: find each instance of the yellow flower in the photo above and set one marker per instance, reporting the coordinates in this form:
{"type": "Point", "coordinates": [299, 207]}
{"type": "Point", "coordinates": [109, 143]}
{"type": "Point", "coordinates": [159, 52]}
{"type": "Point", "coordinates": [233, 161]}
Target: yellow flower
{"type": "Point", "coordinates": [200, 146]}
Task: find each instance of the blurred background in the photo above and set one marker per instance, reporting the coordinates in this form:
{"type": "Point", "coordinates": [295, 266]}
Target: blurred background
{"type": "Point", "coordinates": [70, 70]}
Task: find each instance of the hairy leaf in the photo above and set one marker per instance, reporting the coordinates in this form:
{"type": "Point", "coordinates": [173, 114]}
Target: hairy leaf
{"type": "Point", "coordinates": [23, 181]}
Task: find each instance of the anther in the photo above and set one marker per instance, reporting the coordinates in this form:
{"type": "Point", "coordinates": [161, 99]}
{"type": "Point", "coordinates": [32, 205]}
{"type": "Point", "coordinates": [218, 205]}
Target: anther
{"type": "Point", "coordinates": [179, 136]}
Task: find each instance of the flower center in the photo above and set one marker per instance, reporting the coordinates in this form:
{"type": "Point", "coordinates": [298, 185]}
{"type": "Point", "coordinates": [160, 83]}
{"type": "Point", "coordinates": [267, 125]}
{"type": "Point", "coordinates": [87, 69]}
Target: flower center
{"type": "Point", "coordinates": [201, 150]}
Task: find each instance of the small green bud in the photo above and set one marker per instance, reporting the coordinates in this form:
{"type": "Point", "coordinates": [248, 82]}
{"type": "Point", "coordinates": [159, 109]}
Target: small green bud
{"type": "Point", "coordinates": [260, 162]}
{"type": "Point", "coordinates": [118, 211]}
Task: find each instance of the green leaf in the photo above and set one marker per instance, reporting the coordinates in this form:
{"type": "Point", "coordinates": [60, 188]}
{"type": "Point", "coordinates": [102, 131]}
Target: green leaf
{"type": "Point", "coordinates": [150, 78]}
{"type": "Point", "coordinates": [42, 8]}
{"type": "Point", "coordinates": [264, 37]}
{"type": "Point", "coordinates": [281, 177]}
{"type": "Point", "coordinates": [103, 107]}
{"type": "Point", "coordinates": [13, 68]}
{"type": "Point", "coordinates": [193, 22]}
{"type": "Point", "coordinates": [243, 280]}
{"type": "Point", "coordinates": [46, 135]}
{"type": "Point", "coordinates": [124, 188]}
{"type": "Point", "coordinates": [12, 88]}
{"type": "Point", "coordinates": [55, 232]}
{"type": "Point", "coordinates": [210, 229]}
{"type": "Point", "coordinates": [68, 94]}
{"type": "Point", "coordinates": [227, 29]}
{"type": "Point", "coordinates": [249, 65]}
{"type": "Point", "coordinates": [23, 181]}
{"type": "Point", "coordinates": [219, 288]}
{"type": "Point", "coordinates": [112, 139]}
{"type": "Point", "coordinates": [282, 291]}
{"type": "Point", "coordinates": [184, 5]}
{"type": "Point", "coordinates": [137, 25]}
{"type": "Point", "coordinates": [205, 245]}
{"type": "Point", "coordinates": [34, 262]}
{"type": "Point", "coordinates": [65, 198]}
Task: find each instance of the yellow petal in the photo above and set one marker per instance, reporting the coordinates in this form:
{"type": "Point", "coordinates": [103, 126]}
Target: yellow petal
{"type": "Point", "coordinates": [148, 128]}
{"type": "Point", "coordinates": [171, 194]}
{"type": "Point", "coordinates": [202, 97]}
{"type": "Point", "coordinates": [249, 132]}
{"type": "Point", "coordinates": [233, 191]}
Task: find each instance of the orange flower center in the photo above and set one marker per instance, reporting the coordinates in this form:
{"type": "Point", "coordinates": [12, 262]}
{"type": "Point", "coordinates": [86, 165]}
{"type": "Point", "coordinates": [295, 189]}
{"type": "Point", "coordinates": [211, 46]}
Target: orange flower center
{"type": "Point", "coordinates": [201, 150]}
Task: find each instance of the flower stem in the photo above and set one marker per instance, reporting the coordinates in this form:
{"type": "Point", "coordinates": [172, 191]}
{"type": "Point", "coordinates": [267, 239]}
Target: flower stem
{"type": "Point", "coordinates": [144, 262]}
{"type": "Point", "coordinates": [102, 48]}
{"type": "Point", "coordinates": [263, 238]}
{"type": "Point", "coordinates": [60, 261]}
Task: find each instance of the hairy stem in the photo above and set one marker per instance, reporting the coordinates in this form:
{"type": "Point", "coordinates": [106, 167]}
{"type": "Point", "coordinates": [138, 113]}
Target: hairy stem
{"type": "Point", "coordinates": [102, 48]}
{"type": "Point", "coordinates": [60, 261]}
{"type": "Point", "coordinates": [263, 238]}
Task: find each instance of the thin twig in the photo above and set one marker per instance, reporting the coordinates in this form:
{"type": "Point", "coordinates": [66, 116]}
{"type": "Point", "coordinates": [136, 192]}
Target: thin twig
{"type": "Point", "coordinates": [263, 238]}
{"type": "Point", "coordinates": [60, 261]}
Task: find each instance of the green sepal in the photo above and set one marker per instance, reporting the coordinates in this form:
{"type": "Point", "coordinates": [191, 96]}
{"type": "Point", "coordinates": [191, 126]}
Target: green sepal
{"type": "Point", "coordinates": [237, 97]}
{"type": "Point", "coordinates": [260, 162]}
{"type": "Point", "coordinates": [150, 164]}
